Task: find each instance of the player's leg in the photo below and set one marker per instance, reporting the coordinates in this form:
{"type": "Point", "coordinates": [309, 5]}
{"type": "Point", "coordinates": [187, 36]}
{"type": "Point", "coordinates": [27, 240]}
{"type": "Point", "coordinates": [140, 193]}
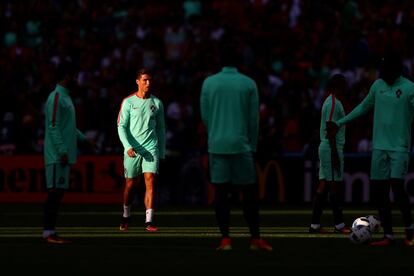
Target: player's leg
{"type": "Point", "coordinates": [335, 192]}
{"type": "Point", "coordinates": [243, 174]}
{"type": "Point", "coordinates": [250, 205]}
{"type": "Point", "coordinates": [380, 193]}
{"type": "Point", "coordinates": [150, 166]}
{"type": "Point", "coordinates": [399, 168]}
{"type": "Point", "coordinates": [380, 187]}
{"type": "Point", "coordinates": [317, 207]}
{"type": "Point", "coordinates": [57, 181]}
{"type": "Point", "coordinates": [403, 203]}
{"type": "Point", "coordinates": [131, 185]}
{"type": "Point", "coordinates": [337, 210]}
{"type": "Point", "coordinates": [219, 168]}
{"type": "Point", "coordinates": [222, 211]}
{"type": "Point", "coordinates": [319, 199]}
{"type": "Point", "coordinates": [132, 173]}
{"type": "Point", "coordinates": [149, 179]}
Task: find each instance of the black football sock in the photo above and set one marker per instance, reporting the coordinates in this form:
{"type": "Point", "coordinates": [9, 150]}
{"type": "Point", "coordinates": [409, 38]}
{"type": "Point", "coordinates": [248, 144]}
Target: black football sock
{"type": "Point", "coordinates": [250, 205]}
{"type": "Point", "coordinates": [336, 208]}
{"type": "Point", "coordinates": [402, 201]}
{"type": "Point", "coordinates": [222, 208]}
{"type": "Point", "coordinates": [318, 205]}
{"type": "Point", "coordinates": [51, 208]}
{"type": "Point", "coordinates": [381, 192]}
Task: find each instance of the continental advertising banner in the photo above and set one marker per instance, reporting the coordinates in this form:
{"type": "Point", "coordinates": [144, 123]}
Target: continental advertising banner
{"type": "Point", "coordinates": [93, 179]}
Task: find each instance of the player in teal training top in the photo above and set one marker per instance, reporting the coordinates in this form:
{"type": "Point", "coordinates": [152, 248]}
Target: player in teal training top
{"type": "Point", "coordinates": [230, 111]}
{"type": "Point", "coordinates": [141, 129]}
{"type": "Point", "coordinates": [331, 158]}
{"type": "Point", "coordinates": [60, 146]}
{"type": "Point", "coordinates": [392, 98]}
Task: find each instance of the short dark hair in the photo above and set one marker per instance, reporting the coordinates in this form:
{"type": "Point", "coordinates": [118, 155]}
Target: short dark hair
{"type": "Point", "coordinates": [143, 71]}
{"type": "Point", "coordinates": [391, 62]}
{"type": "Point", "coordinates": [65, 68]}
{"type": "Point", "coordinates": [335, 82]}
{"type": "Point", "coordinates": [229, 54]}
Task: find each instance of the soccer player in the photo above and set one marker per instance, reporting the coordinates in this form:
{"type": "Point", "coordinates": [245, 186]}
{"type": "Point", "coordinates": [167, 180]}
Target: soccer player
{"type": "Point", "coordinates": [141, 129]}
{"type": "Point", "coordinates": [60, 147]}
{"type": "Point", "coordinates": [331, 158]}
{"type": "Point", "coordinates": [392, 98]}
{"type": "Point", "coordinates": [230, 111]}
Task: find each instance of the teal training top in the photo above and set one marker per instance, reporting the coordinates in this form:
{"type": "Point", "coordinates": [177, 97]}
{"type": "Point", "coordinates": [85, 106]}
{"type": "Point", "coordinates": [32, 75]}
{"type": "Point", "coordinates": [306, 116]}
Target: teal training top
{"type": "Point", "coordinates": [393, 114]}
{"type": "Point", "coordinates": [229, 106]}
{"type": "Point", "coordinates": [61, 134]}
{"type": "Point", "coordinates": [141, 125]}
{"type": "Point", "coordinates": [332, 110]}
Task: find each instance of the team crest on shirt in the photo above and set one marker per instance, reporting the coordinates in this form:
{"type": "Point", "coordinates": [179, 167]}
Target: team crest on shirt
{"type": "Point", "coordinates": [153, 108]}
{"type": "Point", "coordinates": [398, 93]}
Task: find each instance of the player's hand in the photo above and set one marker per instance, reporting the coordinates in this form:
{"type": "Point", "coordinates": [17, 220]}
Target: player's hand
{"type": "Point", "coordinates": [92, 144]}
{"type": "Point", "coordinates": [131, 153]}
{"type": "Point", "coordinates": [331, 129]}
{"type": "Point", "coordinates": [64, 159]}
{"type": "Point", "coordinates": [336, 162]}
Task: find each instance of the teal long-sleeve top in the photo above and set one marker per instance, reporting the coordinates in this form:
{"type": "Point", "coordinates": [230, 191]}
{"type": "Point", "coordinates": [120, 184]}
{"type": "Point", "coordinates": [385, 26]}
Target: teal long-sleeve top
{"type": "Point", "coordinates": [61, 133]}
{"type": "Point", "coordinates": [393, 114]}
{"type": "Point", "coordinates": [229, 104]}
{"type": "Point", "coordinates": [141, 125]}
{"type": "Point", "coordinates": [332, 110]}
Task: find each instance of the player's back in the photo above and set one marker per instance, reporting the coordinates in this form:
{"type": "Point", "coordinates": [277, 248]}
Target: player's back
{"type": "Point", "coordinates": [231, 98]}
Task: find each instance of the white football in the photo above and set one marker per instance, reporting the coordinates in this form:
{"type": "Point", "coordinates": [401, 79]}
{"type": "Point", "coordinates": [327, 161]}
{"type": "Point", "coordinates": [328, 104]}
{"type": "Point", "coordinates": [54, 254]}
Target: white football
{"type": "Point", "coordinates": [360, 234]}
{"type": "Point", "coordinates": [361, 221]}
{"type": "Point", "coordinates": [374, 223]}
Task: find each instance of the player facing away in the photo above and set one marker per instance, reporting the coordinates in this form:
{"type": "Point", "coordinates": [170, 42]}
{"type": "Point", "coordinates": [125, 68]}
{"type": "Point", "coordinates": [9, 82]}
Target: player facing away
{"type": "Point", "coordinates": [230, 111]}
{"type": "Point", "coordinates": [60, 147]}
{"type": "Point", "coordinates": [141, 129]}
{"type": "Point", "coordinates": [392, 98]}
{"type": "Point", "coordinates": [331, 159]}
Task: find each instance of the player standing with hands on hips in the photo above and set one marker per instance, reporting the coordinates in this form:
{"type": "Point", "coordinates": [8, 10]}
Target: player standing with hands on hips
{"type": "Point", "coordinates": [230, 111]}
{"type": "Point", "coordinates": [141, 129]}
{"type": "Point", "coordinates": [331, 158]}
{"type": "Point", "coordinates": [392, 98]}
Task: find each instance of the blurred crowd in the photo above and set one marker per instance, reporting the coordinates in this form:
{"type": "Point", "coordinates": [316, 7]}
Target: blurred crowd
{"type": "Point", "coordinates": [290, 47]}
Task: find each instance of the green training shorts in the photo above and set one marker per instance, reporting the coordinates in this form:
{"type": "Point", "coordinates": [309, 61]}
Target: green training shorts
{"type": "Point", "coordinates": [325, 166]}
{"type": "Point", "coordinates": [232, 168]}
{"type": "Point", "coordinates": [135, 166]}
{"type": "Point", "coordinates": [387, 164]}
{"type": "Point", "coordinates": [57, 176]}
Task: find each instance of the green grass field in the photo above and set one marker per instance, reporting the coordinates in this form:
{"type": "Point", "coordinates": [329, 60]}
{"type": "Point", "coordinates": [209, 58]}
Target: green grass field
{"type": "Point", "coordinates": [186, 244]}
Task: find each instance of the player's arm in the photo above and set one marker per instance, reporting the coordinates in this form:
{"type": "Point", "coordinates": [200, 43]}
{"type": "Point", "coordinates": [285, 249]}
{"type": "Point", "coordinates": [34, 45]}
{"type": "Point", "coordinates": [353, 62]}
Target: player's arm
{"type": "Point", "coordinates": [161, 130]}
{"type": "Point", "coordinates": [55, 108]}
{"type": "Point", "coordinates": [123, 124]}
{"type": "Point", "coordinates": [254, 118]}
{"type": "Point", "coordinates": [204, 104]}
{"type": "Point", "coordinates": [80, 136]}
{"type": "Point", "coordinates": [334, 153]}
{"type": "Point", "coordinates": [366, 105]}
{"type": "Point", "coordinates": [90, 143]}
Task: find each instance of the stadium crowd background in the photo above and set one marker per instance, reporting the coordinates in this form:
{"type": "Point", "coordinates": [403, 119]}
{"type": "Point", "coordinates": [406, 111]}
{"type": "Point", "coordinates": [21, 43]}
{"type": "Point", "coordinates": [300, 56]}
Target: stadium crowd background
{"type": "Point", "coordinates": [290, 47]}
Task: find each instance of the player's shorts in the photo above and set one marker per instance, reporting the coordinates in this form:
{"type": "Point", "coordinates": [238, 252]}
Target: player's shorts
{"type": "Point", "coordinates": [236, 169]}
{"type": "Point", "coordinates": [325, 166]}
{"type": "Point", "coordinates": [387, 164]}
{"type": "Point", "coordinates": [135, 166]}
{"type": "Point", "coordinates": [57, 176]}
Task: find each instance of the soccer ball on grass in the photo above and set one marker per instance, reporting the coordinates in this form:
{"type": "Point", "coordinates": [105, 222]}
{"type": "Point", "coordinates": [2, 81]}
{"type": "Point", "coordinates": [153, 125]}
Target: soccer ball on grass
{"type": "Point", "coordinates": [374, 223]}
{"type": "Point", "coordinates": [361, 232]}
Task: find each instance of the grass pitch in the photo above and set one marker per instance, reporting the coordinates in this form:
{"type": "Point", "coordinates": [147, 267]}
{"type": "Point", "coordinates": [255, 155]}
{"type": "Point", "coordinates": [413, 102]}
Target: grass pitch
{"type": "Point", "coordinates": [185, 244]}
